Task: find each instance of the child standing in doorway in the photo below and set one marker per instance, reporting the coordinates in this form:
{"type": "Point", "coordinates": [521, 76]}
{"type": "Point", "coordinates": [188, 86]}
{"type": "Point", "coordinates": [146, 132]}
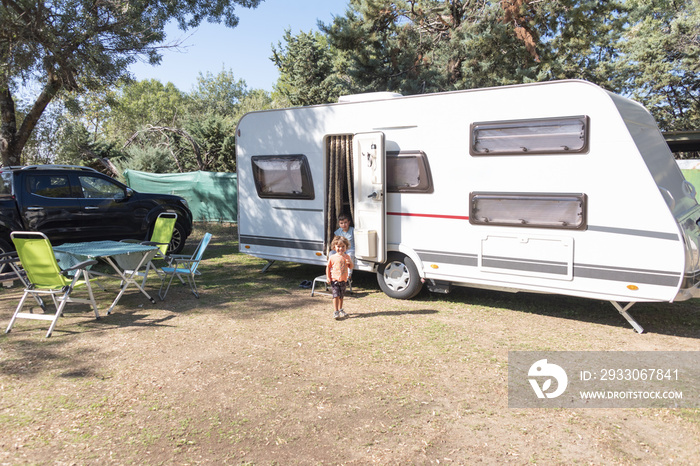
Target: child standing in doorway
{"type": "Point", "coordinates": [348, 232]}
{"type": "Point", "coordinates": [337, 272]}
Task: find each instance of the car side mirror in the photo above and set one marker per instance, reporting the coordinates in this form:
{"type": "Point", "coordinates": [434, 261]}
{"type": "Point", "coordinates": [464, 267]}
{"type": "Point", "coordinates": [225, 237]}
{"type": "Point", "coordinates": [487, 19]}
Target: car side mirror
{"type": "Point", "coordinates": [122, 196]}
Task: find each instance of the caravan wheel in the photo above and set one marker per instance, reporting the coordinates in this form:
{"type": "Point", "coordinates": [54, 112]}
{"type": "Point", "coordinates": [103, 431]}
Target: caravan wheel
{"type": "Point", "coordinates": [398, 277]}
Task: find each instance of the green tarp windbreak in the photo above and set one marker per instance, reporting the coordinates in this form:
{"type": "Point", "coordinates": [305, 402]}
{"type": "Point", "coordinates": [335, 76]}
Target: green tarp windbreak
{"type": "Point", "coordinates": [212, 196]}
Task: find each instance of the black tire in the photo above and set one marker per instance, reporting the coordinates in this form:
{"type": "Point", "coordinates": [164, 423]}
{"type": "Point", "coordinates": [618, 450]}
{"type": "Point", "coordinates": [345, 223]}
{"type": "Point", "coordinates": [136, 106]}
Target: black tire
{"type": "Point", "coordinates": [5, 247]}
{"type": "Point", "coordinates": [398, 277]}
{"type": "Point", "coordinates": [177, 243]}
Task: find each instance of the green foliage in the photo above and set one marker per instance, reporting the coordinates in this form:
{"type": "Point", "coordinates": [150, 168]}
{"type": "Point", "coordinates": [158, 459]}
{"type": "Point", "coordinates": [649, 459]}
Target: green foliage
{"type": "Point", "coordinates": [218, 94]}
{"type": "Point", "coordinates": [306, 69]}
{"type": "Point", "coordinates": [255, 100]}
{"type": "Point", "coordinates": [215, 137]}
{"type": "Point", "coordinates": [146, 159]}
{"type": "Point", "coordinates": [141, 103]}
{"type": "Point", "coordinates": [661, 60]}
{"type": "Point", "coordinates": [184, 131]}
{"type": "Point", "coordinates": [45, 142]}
{"type": "Point", "coordinates": [427, 46]}
{"type": "Point", "coordinates": [579, 39]}
{"type": "Point", "coordinates": [646, 49]}
{"type": "Point", "coordinates": [82, 45]}
{"type": "Point", "coordinates": [379, 49]}
{"type": "Point", "coordinates": [75, 141]}
{"type": "Point", "coordinates": [78, 147]}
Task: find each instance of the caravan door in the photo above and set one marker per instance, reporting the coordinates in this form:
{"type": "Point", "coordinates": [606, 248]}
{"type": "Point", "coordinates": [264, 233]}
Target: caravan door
{"type": "Point", "coordinates": [369, 197]}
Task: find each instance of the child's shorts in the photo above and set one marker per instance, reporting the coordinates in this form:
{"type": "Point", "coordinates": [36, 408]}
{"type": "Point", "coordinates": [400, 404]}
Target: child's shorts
{"type": "Point", "coordinates": [338, 288]}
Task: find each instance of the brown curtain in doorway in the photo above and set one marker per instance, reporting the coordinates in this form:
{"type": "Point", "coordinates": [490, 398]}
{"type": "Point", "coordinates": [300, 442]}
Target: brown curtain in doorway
{"type": "Point", "coordinates": [340, 187]}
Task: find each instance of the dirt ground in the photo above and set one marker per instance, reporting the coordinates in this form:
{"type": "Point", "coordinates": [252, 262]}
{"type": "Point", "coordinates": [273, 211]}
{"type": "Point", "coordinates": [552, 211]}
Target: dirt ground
{"type": "Point", "coordinates": [256, 371]}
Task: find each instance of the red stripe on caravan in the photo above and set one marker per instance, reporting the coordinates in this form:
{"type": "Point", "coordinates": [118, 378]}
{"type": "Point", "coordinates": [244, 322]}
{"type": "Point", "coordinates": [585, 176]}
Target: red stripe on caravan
{"type": "Point", "coordinates": [407, 214]}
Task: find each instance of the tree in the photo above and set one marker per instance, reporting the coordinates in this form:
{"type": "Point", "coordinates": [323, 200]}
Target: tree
{"type": "Point", "coordinates": [256, 100]}
{"type": "Point", "coordinates": [646, 49]}
{"type": "Point", "coordinates": [580, 39]}
{"type": "Point", "coordinates": [142, 120]}
{"type": "Point", "coordinates": [218, 94]}
{"type": "Point", "coordinates": [196, 129]}
{"type": "Point", "coordinates": [660, 63]}
{"type": "Point", "coordinates": [136, 104]}
{"type": "Point", "coordinates": [82, 45]}
{"type": "Point", "coordinates": [43, 145]}
{"type": "Point", "coordinates": [417, 46]}
{"type": "Point", "coordinates": [379, 47]}
{"type": "Point", "coordinates": [306, 69]}
{"type": "Point", "coordinates": [78, 147]}
{"type": "Point", "coordinates": [215, 139]}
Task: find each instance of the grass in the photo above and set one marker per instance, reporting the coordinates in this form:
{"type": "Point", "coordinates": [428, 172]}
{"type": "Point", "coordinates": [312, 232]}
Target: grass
{"type": "Point", "coordinates": [257, 372]}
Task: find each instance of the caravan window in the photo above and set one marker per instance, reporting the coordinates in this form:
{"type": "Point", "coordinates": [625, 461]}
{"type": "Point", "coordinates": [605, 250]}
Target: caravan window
{"type": "Point", "coordinates": [283, 177]}
{"type": "Point", "coordinates": [564, 135]}
{"type": "Point", "coordinates": [408, 172]}
{"type": "Point", "coordinates": [564, 211]}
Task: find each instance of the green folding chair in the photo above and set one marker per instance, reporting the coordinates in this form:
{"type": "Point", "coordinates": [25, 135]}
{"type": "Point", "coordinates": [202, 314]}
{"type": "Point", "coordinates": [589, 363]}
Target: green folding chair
{"type": "Point", "coordinates": [10, 260]}
{"type": "Point", "coordinates": [46, 278]}
{"type": "Point", "coordinates": [163, 233]}
{"type": "Point", "coordinates": [184, 265]}
{"type": "Point", "coordinates": [161, 236]}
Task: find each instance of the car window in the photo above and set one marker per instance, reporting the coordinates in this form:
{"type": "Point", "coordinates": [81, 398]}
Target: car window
{"type": "Point", "coordinates": [56, 186]}
{"type": "Point", "coordinates": [94, 187]}
{"type": "Point", "coordinates": [5, 184]}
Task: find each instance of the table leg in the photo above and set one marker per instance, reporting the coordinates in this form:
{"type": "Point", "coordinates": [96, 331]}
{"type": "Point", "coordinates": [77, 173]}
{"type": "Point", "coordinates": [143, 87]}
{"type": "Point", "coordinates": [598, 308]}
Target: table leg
{"type": "Point", "coordinates": [128, 279]}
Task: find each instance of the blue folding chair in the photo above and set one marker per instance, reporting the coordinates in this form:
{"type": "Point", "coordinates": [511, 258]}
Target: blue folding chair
{"type": "Point", "coordinates": [181, 264]}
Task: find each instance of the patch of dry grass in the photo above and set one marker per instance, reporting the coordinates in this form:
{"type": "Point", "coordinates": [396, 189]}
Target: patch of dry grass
{"type": "Point", "coordinates": [257, 372]}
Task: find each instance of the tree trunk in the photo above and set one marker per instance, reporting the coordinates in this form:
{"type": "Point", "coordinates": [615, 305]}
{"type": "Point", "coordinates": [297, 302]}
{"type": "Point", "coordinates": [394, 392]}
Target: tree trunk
{"type": "Point", "coordinates": [8, 128]}
{"type": "Point", "coordinates": [12, 139]}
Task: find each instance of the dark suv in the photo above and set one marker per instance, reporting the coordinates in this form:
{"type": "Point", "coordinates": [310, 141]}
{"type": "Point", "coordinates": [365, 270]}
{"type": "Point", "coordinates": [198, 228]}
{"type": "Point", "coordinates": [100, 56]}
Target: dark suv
{"type": "Point", "coordinates": [74, 204]}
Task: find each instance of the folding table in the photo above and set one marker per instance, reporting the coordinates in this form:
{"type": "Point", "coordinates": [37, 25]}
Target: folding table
{"type": "Point", "coordinates": [125, 258]}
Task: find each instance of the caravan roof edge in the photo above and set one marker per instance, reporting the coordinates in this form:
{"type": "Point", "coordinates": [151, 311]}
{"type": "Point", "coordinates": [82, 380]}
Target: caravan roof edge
{"type": "Point", "coordinates": [389, 96]}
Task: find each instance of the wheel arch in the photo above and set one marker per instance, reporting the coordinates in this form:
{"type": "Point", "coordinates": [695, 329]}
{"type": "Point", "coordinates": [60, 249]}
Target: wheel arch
{"type": "Point", "coordinates": [411, 254]}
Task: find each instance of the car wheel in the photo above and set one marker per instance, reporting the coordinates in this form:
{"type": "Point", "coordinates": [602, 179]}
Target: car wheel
{"type": "Point", "coordinates": [5, 247]}
{"type": "Point", "coordinates": [177, 243]}
{"type": "Point", "coordinates": [399, 277]}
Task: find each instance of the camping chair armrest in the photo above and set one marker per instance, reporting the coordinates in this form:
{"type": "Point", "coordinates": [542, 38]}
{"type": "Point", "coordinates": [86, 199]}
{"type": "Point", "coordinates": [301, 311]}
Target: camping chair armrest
{"type": "Point", "coordinates": [138, 241]}
{"type": "Point", "coordinates": [172, 258]}
{"type": "Point", "coordinates": [9, 257]}
{"type": "Point", "coordinates": [81, 265]}
{"type": "Point", "coordinates": [152, 243]}
{"type": "Point", "coordinates": [181, 260]}
{"type": "Point", "coordinates": [145, 243]}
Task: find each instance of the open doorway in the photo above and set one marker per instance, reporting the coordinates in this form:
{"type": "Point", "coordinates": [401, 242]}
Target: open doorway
{"type": "Point", "coordinates": [339, 183]}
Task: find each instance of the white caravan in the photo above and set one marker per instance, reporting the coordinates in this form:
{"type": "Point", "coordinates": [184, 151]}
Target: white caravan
{"type": "Point", "coordinates": [557, 187]}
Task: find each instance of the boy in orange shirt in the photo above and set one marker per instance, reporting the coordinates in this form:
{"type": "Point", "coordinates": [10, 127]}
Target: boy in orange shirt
{"type": "Point", "coordinates": [337, 274]}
